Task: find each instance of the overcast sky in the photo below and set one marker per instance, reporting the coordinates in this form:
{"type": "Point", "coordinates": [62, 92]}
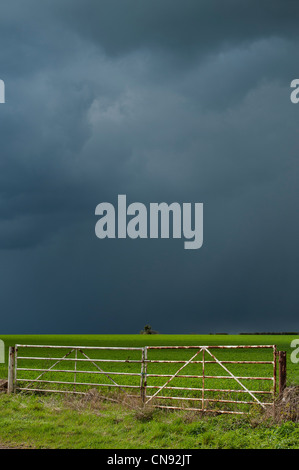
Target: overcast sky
{"type": "Point", "coordinates": [161, 100]}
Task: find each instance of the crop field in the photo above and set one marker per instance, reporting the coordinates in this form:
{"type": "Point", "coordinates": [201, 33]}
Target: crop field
{"type": "Point", "coordinates": [104, 367]}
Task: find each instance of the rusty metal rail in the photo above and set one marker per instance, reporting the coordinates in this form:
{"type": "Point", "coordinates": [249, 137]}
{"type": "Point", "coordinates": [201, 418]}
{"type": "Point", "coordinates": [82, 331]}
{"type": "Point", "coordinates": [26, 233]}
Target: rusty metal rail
{"type": "Point", "coordinates": [192, 378]}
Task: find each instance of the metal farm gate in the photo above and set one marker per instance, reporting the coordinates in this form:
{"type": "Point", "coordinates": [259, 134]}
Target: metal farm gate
{"type": "Point", "coordinates": [217, 381]}
{"type": "Point", "coordinates": [200, 378]}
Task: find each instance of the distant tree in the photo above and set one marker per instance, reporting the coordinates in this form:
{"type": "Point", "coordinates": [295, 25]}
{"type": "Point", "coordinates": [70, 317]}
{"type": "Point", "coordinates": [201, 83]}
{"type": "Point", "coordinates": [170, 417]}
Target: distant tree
{"type": "Point", "coordinates": [147, 330]}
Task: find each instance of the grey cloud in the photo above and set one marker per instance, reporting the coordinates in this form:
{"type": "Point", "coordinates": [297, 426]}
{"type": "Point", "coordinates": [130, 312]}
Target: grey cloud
{"type": "Point", "coordinates": [187, 27]}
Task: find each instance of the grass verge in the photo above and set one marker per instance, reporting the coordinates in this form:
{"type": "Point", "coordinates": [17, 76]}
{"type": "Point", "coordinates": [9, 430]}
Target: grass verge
{"type": "Point", "coordinates": [56, 422]}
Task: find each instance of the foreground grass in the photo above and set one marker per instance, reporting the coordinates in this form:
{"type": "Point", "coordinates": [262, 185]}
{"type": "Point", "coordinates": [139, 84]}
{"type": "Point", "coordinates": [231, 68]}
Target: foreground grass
{"type": "Point", "coordinates": [56, 422]}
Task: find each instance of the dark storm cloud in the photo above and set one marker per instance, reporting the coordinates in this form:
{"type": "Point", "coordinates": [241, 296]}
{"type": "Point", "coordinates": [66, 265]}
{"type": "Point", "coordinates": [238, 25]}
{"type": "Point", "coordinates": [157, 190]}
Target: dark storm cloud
{"type": "Point", "coordinates": [188, 27]}
{"type": "Point", "coordinates": [162, 101]}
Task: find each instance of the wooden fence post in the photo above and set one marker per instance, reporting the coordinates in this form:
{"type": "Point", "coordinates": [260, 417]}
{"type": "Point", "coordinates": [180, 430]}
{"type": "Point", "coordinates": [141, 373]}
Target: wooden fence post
{"type": "Point", "coordinates": [144, 374]}
{"type": "Point", "coordinates": [282, 360]}
{"type": "Point", "coordinates": [11, 363]}
{"type": "Point", "coordinates": [203, 381]}
{"type": "Point", "coordinates": [75, 367]}
{"type": "Point", "coordinates": [142, 377]}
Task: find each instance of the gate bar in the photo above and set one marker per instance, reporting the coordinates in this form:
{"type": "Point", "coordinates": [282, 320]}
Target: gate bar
{"type": "Point", "coordinates": [188, 362]}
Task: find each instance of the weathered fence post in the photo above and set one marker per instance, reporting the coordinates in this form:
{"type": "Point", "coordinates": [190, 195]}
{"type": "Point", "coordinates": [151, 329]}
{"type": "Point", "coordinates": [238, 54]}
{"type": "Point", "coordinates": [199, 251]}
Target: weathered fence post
{"type": "Point", "coordinates": [142, 395]}
{"type": "Point", "coordinates": [75, 367]}
{"type": "Point", "coordinates": [11, 363]}
{"type": "Point", "coordinates": [16, 369]}
{"type": "Point", "coordinates": [275, 355]}
{"type": "Point", "coordinates": [144, 373]}
{"type": "Point", "coordinates": [282, 360]}
{"type": "Point", "coordinates": [203, 381]}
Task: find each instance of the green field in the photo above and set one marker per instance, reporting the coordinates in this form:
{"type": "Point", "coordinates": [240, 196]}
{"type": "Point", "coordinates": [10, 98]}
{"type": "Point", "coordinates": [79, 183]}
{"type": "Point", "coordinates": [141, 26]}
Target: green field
{"type": "Point", "coordinates": [137, 341]}
{"type": "Point", "coordinates": [24, 410]}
